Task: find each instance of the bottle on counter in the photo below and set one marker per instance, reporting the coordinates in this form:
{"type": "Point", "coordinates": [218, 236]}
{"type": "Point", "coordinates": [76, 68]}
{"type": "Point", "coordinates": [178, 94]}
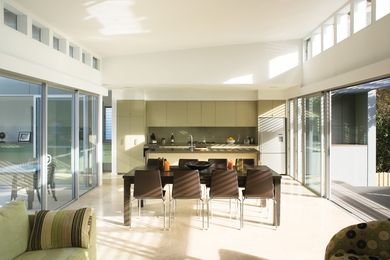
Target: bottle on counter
{"type": "Point", "coordinates": [167, 165]}
{"type": "Point", "coordinates": [230, 165]}
{"type": "Point", "coordinates": [172, 139]}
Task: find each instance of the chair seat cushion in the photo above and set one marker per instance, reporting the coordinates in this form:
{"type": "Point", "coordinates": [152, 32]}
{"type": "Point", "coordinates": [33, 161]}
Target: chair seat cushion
{"type": "Point", "coordinates": [59, 229]}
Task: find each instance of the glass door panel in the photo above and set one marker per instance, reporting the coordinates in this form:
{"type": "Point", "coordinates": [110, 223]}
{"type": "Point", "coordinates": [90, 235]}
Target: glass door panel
{"type": "Point", "coordinates": [299, 139]}
{"type": "Point", "coordinates": [59, 145]}
{"type": "Point", "coordinates": [19, 151]}
{"type": "Point", "coordinates": [87, 142]}
{"type": "Point", "coordinates": [313, 131]}
{"type": "Point", "coordinates": [291, 137]}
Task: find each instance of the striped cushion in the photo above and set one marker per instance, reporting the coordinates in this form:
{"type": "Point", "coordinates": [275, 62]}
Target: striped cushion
{"type": "Point", "coordinates": [63, 228]}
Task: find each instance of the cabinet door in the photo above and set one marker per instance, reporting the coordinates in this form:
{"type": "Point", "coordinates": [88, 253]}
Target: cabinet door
{"type": "Point", "coordinates": [208, 113]}
{"type": "Point", "coordinates": [156, 112]}
{"type": "Point", "coordinates": [272, 108]}
{"type": "Point", "coordinates": [130, 134]}
{"type": "Point", "coordinates": [176, 113]}
{"type": "Point", "coordinates": [225, 113]}
{"type": "Point", "coordinates": [246, 113]}
{"type": "Point", "coordinates": [265, 108]}
{"type": "Point", "coordinates": [194, 113]}
{"type": "Point", "coordinates": [279, 108]}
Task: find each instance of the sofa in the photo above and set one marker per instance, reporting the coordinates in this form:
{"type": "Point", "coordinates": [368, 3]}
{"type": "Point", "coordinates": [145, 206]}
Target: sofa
{"type": "Point", "coordinates": [46, 234]}
{"type": "Point", "coordinates": [364, 241]}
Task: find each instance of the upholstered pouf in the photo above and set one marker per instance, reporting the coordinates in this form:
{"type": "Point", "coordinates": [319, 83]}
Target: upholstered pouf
{"type": "Point", "coordinates": [369, 241]}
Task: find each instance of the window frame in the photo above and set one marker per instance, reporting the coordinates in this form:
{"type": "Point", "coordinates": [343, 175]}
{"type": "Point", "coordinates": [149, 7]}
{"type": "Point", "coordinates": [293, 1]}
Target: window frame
{"type": "Point", "coordinates": [105, 140]}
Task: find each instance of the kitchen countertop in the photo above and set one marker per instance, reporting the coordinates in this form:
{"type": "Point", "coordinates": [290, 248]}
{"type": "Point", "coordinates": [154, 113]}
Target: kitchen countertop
{"type": "Point", "coordinates": [204, 150]}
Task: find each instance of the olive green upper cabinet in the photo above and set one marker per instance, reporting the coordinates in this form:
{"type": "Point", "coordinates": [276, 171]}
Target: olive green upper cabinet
{"type": "Point", "coordinates": [272, 108]}
{"type": "Point", "coordinates": [225, 113]}
{"type": "Point", "coordinates": [194, 113]}
{"type": "Point", "coordinates": [156, 113]}
{"type": "Point", "coordinates": [176, 113]}
{"type": "Point", "coordinates": [246, 113]}
{"type": "Point", "coordinates": [208, 113]}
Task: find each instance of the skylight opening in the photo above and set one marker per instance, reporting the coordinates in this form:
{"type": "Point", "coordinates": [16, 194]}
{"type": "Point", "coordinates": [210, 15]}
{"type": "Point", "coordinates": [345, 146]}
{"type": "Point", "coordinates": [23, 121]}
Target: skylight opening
{"type": "Point", "coordinates": [116, 17]}
{"type": "Point", "coordinates": [245, 80]}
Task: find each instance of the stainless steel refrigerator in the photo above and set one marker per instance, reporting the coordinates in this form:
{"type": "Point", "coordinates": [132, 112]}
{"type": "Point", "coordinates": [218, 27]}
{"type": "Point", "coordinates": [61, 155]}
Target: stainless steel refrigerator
{"type": "Point", "coordinates": [272, 142]}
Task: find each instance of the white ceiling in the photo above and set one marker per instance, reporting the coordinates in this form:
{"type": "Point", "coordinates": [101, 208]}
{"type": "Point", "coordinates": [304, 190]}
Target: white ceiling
{"type": "Point", "coordinates": [122, 27]}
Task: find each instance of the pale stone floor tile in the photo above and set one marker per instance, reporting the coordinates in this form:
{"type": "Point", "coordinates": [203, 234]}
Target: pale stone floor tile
{"type": "Point", "coordinates": [307, 224]}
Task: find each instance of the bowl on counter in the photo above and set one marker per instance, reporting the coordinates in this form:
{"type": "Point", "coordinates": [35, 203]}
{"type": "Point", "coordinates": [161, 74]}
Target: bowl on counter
{"type": "Point", "coordinates": [198, 165]}
{"type": "Point", "coordinates": [230, 141]}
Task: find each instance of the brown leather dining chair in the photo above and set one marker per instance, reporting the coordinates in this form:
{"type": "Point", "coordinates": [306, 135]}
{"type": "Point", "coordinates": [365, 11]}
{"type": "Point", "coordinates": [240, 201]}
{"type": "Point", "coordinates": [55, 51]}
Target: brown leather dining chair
{"type": "Point", "coordinates": [153, 163]}
{"type": "Point", "coordinates": [186, 185]}
{"type": "Point", "coordinates": [259, 185]}
{"type": "Point", "coordinates": [224, 185]}
{"type": "Point", "coordinates": [218, 164]}
{"type": "Point", "coordinates": [147, 185]}
{"type": "Point", "coordinates": [182, 162]}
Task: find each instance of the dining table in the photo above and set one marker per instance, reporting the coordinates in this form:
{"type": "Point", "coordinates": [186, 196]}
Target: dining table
{"type": "Point", "coordinates": [205, 178]}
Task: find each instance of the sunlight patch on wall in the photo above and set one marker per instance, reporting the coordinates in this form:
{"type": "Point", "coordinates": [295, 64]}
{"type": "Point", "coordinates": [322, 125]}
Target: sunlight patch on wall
{"type": "Point", "coordinates": [282, 64]}
{"type": "Point", "coordinates": [246, 79]}
{"type": "Point", "coordinates": [116, 17]}
{"type": "Point", "coordinates": [132, 141]}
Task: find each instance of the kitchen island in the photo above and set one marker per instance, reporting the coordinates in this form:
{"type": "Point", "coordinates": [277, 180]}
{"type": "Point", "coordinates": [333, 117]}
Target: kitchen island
{"type": "Point", "coordinates": [174, 153]}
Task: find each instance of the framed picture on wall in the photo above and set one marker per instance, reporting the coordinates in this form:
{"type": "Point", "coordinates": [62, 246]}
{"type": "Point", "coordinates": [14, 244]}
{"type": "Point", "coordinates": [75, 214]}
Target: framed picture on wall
{"type": "Point", "coordinates": [24, 137]}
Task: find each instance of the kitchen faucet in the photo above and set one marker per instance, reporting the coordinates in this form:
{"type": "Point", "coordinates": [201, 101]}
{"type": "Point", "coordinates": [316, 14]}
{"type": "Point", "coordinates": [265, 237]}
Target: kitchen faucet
{"type": "Point", "coordinates": [191, 143]}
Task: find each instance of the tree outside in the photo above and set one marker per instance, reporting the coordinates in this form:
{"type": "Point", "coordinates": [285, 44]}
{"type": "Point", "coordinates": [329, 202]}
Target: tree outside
{"type": "Point", "coordinates": [383, 130]}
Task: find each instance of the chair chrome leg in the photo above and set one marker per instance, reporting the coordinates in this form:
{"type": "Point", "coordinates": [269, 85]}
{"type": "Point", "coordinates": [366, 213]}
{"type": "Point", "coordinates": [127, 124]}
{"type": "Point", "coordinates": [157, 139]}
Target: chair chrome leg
{"type": "Point", "coordinates": [202, 214]}
{"type": "Point", "coordinates": [169, 213]}
{"type": "Point", "coordinates": [242, 214]}
{"type": "Point", "coordinates": [208, 214]}
{"type": "Point", "coordinates": [165, 212]}
{"type": "Point", "coordinates": [230, 208]}
{"type": "Point", "coordinates": [131, 205]}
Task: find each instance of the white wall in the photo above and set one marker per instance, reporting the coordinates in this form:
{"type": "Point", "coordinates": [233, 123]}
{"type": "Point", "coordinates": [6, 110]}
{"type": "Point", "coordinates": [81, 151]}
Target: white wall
{"type": "Point", "coordinates": [22, 55]}
{"type": "Point", "coordinates": [205, 73]}
{"type": "Point", "coordinates": [355, 173]}
{"type": "Point", "coordinates": [363, 56]}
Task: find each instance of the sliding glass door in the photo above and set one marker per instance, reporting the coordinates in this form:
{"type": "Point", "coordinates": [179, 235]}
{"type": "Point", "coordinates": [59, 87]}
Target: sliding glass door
{"type": "Point", "coordinates": [20, 129]}
{"type": "Point", "coordinates": [87, 142]}
{"type": "Point", "coordinates": [59, 145]}
{"type": "Point", "coordinates": [313, 142]}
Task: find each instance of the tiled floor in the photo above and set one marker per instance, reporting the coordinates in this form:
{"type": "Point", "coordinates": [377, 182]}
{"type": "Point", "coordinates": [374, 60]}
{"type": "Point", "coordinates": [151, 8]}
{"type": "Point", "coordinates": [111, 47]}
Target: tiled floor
{"type": "Point", "coordinates": [307, 223]}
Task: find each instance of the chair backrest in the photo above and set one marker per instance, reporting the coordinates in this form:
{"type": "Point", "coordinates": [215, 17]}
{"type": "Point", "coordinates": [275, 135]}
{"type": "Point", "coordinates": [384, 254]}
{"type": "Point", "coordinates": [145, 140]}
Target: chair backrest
{"type": "Point", "coordinates": [244, 164]}
{"type": "Point", "coordinates": [51, 168]}
{"type": "Point", "coordinates": [152, 163]}
{"type": "Point", "coordinates": [147, 184]}
{"type": "Point", "coordinates": [259, 184]}
{"type": "Point", "coordinates": [219, 164]}
{"type": "Point", "coordinates": [182, 162]}
{"type": "Point", "coordinates": [186, 185]}
{"type": "Point", "coordinates": [224, 184]}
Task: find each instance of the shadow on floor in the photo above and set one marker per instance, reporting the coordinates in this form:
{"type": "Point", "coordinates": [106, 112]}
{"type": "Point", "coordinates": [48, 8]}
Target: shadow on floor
{"type": "Point", "coordinates": [230, 254]}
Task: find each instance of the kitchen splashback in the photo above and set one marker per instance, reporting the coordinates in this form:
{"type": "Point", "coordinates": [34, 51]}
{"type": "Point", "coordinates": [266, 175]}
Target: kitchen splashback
{"type": "Point", "coordinates": [202, 134]}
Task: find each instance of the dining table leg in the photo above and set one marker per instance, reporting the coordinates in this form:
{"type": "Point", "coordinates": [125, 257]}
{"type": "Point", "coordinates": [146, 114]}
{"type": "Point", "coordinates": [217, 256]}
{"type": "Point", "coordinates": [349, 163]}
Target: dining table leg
{"type": "Point", "coordinates": [277, 190]}
{"type": "Point", "coordinates": [126, 202]}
